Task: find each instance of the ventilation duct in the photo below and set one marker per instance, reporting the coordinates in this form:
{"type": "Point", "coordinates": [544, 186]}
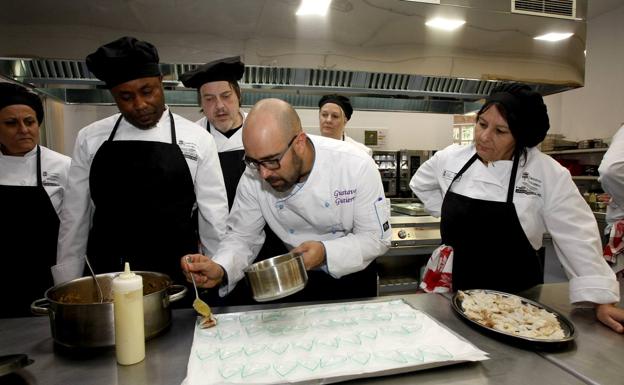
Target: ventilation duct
{"type": "Point", "coordinates": [71, 82]}
{"type": "Point", "coordinates": [380, 53]}
{"type": "Point", "coordinates": [564, 9]}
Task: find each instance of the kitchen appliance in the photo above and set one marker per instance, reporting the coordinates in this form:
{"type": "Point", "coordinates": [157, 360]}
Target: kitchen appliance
{"type": "Point", "coordinates": [415, 235]}
{"type": "Point", "coordinates": [409, 161]}
{"type": "Point", "coordinates": [387, 163]}
{"type": "Point", "coordinates": [79, 320]}
{"type": "Point", "coordinates": [277, 277]}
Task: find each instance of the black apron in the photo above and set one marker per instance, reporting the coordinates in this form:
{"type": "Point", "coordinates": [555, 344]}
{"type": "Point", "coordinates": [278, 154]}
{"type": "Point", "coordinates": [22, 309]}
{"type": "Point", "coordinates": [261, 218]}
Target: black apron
{"type": "Point", "coordinates": [491, 250]}
{"type": "Point", "coordinates": [29, 230]}
{"type": "Point", "coordinates": [144, 197]}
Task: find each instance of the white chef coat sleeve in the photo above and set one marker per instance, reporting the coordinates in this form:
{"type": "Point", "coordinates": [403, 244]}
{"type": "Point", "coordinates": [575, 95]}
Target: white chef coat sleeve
{"type": "Point", "coordinates": [425, 184]}
{"type": "Point", "coordinates": [244, 235]}
{"type": "Point", "coordinates": [211, 198]}
{"type": "Point", "coordinates": [75, 216]}
{"type": "Point", "coordinates": [576, 239]}
{"type": "Point", "coordinates": [371, 227]}
{"type": "Point", "coordinates": [612, 169]}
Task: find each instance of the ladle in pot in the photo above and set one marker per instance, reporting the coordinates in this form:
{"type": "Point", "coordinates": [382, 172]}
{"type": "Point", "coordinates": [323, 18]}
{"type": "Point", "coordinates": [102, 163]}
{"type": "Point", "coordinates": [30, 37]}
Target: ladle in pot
{"type": "Point", "coordinates": [95, 279]}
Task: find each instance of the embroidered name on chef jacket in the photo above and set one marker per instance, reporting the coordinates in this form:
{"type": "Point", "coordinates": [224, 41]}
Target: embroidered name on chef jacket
{"type": "Point", "coordinates": [50, 178]}
{"type": "Point", "coordinates": [345, 196]}
{"type": "Point", "coordinates": [529, 185]}
{"type": "Point", "coordinates": [189, 150]}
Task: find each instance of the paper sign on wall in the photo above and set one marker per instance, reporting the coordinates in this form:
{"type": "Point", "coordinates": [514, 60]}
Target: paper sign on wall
{"type": "Point", "coordinates": [375, 138]}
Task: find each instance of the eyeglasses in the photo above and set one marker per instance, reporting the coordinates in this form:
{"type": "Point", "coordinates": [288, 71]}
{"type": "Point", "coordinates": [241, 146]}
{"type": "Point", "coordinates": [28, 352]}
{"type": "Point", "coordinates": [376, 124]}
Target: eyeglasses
{"type": "Point", "coordinates": [269, 164]}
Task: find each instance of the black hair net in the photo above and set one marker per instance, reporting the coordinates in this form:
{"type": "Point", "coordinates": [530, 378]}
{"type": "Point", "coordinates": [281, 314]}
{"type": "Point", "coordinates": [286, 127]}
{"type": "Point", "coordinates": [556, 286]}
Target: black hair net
{"type": "Point", "coordinates": [340, 100]}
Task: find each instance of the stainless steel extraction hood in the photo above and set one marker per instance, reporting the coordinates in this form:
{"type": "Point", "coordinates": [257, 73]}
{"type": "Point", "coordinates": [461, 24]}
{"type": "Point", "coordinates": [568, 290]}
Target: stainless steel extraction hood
{"type": "Point", "coordinates": [378, 52]}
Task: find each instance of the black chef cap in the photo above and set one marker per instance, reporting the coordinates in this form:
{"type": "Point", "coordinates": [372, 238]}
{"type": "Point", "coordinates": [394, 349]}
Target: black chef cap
{"type": "Point", "coordinates": [123, 60]}
{"type": "Point", "coordinates": [11, 94]}
{"type": "Point", "coordinates": [340, 100]}
{"type": "Point", "coordinates": [525, 111]}
{"type": "Point", "coordinates": [229, 69]}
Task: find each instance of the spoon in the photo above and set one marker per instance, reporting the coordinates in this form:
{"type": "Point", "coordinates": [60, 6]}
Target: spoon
{"type": "Point", "coordinates": [95, 279]}
{"type": "Point", "coordinates": [200, 306]}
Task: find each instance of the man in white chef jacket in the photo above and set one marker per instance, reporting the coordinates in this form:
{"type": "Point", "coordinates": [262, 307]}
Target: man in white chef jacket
{"type": "Point", "coordinates": [322, 197]}
{"type": "Point", "coordinates": [612, 180]}
{"type": "Point", "coordinates": [220, 99]}
{"type": "Point", "coordinates": [137, 177]}
{"type": "Point", "coordinates": [219, 95]}
{"type": "Point", "coordinates": [334, 113]}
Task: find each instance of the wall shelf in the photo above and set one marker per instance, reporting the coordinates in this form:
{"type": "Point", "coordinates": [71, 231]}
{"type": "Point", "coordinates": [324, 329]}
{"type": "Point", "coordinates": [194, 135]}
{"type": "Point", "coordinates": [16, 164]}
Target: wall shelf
{"type": "Point", "coordinates": [578, 151]}
{"type": "Point", "coordinates": [584, 177]}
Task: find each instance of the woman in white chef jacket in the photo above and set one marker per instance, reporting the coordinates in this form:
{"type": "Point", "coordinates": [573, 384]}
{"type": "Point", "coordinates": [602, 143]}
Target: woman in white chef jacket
{"type": "Point", "coordinates": [33, 180]}
{"type": "Point", "coordinates": [499, 195]}
{"type": "Point", "coordinates": [334, 113]}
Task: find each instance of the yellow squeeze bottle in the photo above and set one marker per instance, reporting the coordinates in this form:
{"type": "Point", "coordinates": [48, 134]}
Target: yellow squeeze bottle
{"type": "Point", "coordinates": [128, 309]}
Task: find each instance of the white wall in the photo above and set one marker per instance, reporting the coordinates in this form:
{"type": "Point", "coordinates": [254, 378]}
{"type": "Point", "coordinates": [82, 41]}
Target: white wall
{"type": "Point", "coordinates": [597, 109]}
{"type": "Point", "coordinates": [413, 131]}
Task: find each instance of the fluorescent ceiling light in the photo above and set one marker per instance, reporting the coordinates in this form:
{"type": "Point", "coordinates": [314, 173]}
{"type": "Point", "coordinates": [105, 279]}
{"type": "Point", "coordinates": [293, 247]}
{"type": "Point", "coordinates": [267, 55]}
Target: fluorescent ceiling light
{"type": "Point", "coordinates": [445, 24]}
{"type": "Point", "coordinates": [425, 1]}
{"type": "Point", "coordinates": [313, 7]}
{"type": "Point", "coordinates": [553, 36]}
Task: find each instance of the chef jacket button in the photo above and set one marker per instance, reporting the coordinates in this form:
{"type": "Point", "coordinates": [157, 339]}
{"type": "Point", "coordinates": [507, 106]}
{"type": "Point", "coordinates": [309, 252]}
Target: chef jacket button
{"type": "Point", "coordinates": [326, 204]}
{"type": "Point", "coordinates": [280, 206]}
{"type": "Point", "coordinates": [292, 231]}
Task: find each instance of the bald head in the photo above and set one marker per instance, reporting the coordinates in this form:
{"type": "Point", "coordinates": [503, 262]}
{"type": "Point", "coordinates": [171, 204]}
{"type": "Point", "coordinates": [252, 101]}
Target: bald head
{"type": "Point", "coordinates": [271, 120]}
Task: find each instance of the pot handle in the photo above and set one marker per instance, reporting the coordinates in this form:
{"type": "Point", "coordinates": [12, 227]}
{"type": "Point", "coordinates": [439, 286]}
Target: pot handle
{"type": "Point", "coordinates": [40, 306]}
{"type": "Point", "coordinates": [179, 295]}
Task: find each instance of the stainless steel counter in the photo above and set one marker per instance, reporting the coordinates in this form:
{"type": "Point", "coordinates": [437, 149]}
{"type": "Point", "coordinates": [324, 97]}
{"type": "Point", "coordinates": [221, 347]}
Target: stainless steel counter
{"type": "Point", "coordinates": [599, 352]}
{"type": "Point", "coordinates": [167, 355]}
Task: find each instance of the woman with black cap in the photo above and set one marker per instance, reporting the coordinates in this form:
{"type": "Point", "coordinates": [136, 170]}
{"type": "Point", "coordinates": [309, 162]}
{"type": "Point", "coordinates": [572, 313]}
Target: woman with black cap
{"type": "Point", "coordinates": [33, 180]}
{"type": "Point", "coordinates": [498, 196]}
{"type": "Point", "coordinates": [335, 111]}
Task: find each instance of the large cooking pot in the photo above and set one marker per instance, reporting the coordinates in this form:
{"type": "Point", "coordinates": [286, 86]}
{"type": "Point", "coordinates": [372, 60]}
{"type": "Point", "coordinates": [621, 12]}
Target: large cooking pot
{"type": "Point", "coordinates": [79, 320]}
{"type": "Point", "coordinates": [277, 277]}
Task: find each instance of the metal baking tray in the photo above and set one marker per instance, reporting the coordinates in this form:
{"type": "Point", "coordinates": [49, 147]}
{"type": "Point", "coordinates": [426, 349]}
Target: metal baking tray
{"type": "Point", "coordinates": [542, 344]}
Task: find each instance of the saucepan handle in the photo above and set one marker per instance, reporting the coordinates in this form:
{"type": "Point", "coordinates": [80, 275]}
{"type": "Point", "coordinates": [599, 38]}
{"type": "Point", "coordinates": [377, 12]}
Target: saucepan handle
{"type": "Point", "coordinates": [179, 292]}
{"type": "Point", "coordinates": [40, 306]}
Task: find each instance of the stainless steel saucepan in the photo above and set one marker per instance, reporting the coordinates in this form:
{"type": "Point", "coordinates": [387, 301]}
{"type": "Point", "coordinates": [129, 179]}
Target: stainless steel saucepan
{"type": "Point", "coordinates": [277, 277]}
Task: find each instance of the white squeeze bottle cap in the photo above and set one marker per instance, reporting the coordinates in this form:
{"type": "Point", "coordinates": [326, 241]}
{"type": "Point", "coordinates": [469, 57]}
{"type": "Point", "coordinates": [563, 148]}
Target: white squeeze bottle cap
{"type": "Point", "coordinates": [129, 323]}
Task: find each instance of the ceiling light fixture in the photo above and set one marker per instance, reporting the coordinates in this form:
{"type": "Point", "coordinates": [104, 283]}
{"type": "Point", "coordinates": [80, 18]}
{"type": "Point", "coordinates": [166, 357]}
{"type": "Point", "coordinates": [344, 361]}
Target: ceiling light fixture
{"type": "Point", "coordinates": [424, 1]}
{"type": "Point", "coordinates": [553, 36]}
{"type": "Point", "coordinates": [445, 24]}
{"type": "Point", "coordinates": [313, 7]}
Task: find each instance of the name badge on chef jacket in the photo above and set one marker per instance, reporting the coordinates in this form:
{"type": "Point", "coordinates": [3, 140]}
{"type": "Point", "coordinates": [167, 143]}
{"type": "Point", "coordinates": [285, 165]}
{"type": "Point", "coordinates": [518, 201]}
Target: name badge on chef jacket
{"type": "Point", "coordinates": [450, 175]}
{"type": "Point", "coordinates": [382, 211]}
{"type": "Point", "coordinates": [50, 178]}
